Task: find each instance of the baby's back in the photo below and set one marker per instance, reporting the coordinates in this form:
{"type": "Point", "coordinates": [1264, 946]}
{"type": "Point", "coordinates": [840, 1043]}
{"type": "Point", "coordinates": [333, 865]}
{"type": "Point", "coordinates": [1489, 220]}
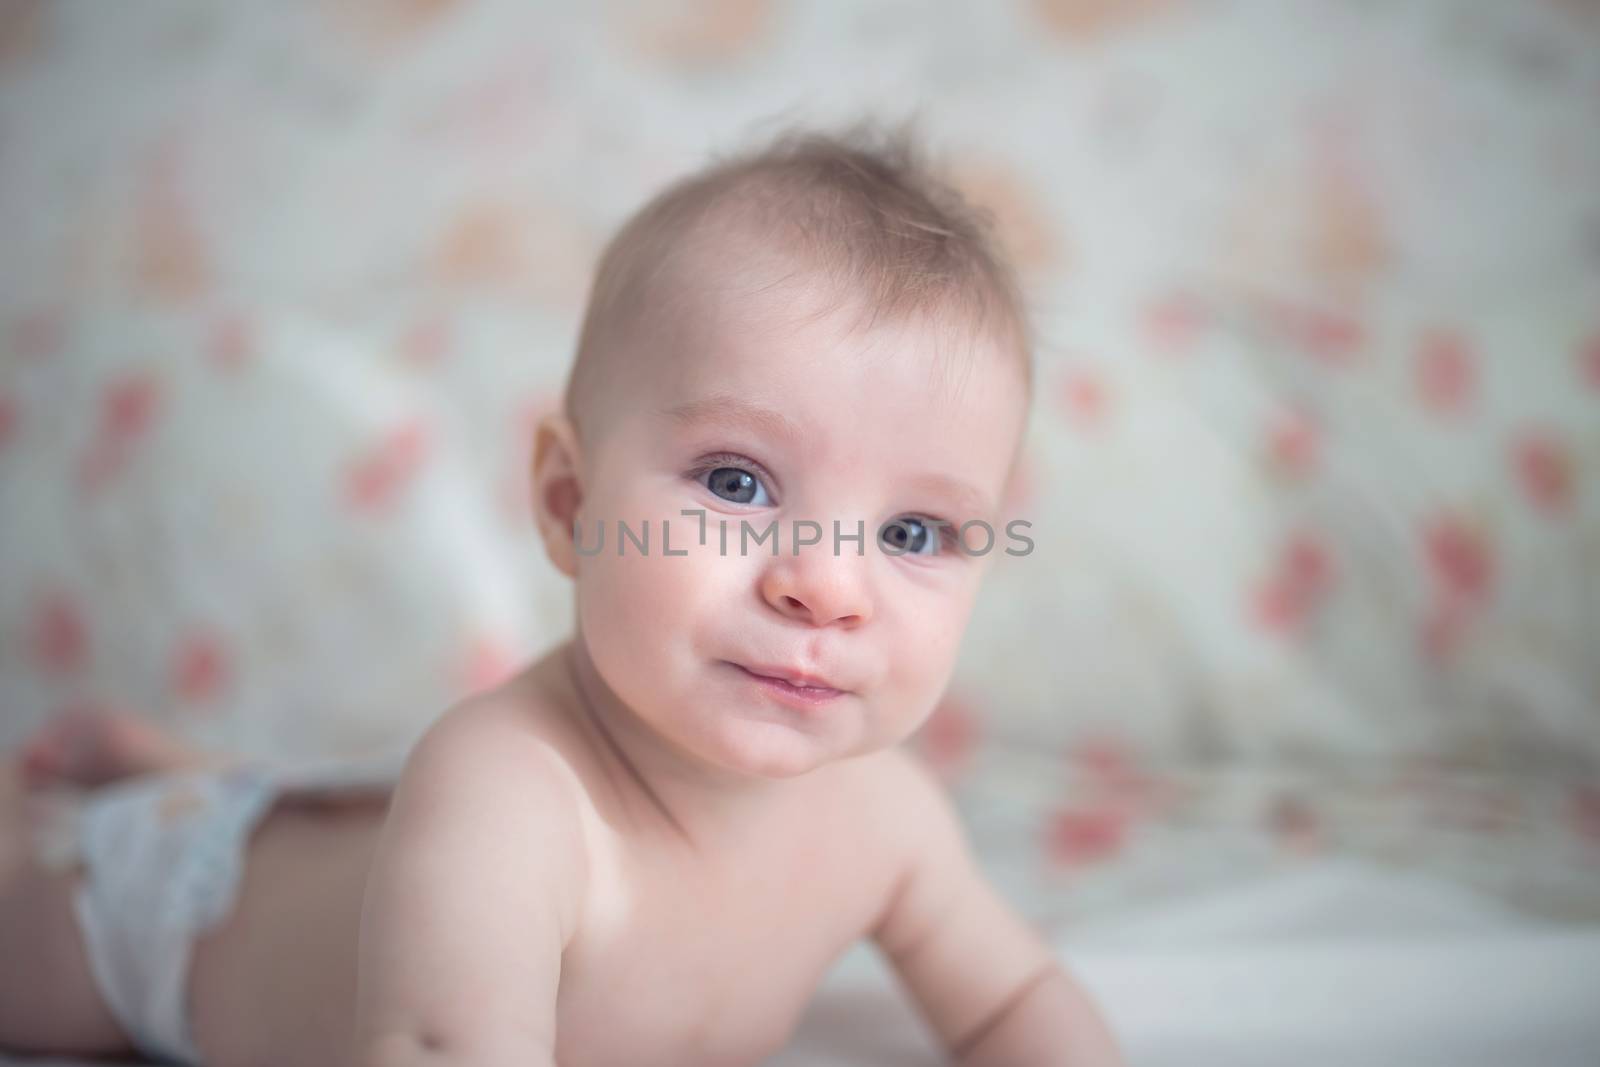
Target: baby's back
{"type": "Point", "coordinates": [275, 981]}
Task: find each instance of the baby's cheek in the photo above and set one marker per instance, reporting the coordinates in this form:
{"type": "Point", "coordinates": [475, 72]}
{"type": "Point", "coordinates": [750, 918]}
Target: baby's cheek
{"type": "Point", "coordinates": [620, 608]}
{"type": "Point", "coordinates": [649, 606]}
{"type": "Point", "coordinates": [928, 657]}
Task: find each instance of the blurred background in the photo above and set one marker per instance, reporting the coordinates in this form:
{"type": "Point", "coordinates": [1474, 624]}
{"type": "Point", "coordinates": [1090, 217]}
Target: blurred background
{"type": "Point", "coordinates": [1313, 472]}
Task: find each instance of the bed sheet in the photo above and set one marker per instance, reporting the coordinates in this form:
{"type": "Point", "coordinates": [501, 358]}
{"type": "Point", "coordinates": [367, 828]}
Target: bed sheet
{"type": "Point", "coordinates": [1339, 963]}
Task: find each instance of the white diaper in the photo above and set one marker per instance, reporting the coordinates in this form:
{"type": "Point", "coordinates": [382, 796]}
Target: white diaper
{"type": "Point", "coordinates": [162, 858]}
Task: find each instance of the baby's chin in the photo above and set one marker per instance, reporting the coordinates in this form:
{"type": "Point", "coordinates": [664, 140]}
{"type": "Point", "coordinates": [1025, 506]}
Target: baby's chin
{"type": "Point", "coordinates": [770, 749]}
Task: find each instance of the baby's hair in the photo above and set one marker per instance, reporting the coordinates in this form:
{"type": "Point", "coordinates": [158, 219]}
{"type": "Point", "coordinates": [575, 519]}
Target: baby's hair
{"type": "Point", "coordinates": [861, 208]}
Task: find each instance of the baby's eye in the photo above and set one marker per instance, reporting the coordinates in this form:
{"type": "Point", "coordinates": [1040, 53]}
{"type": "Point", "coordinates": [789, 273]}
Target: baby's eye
{"type": "Point", "coordinates": [912, 536]}
{"type": "Point", "coordinates": [736, 485]}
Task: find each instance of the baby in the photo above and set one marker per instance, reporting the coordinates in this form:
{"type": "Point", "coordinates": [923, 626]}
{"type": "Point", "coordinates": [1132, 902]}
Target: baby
{"type": "Point", "coordinates": [775, 481]}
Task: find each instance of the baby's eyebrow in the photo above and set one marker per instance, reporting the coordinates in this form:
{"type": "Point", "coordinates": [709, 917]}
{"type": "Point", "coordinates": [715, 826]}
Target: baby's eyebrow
{"type": "Point", "coordinates": [724, 409]}
{"type": "Point", "coordinates": [973, 504]}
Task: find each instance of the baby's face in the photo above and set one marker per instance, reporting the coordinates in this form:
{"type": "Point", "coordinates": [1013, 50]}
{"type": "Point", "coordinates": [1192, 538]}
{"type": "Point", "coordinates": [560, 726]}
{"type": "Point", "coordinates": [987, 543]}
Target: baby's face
{"type": "Point", "coordinates": [782, 418]}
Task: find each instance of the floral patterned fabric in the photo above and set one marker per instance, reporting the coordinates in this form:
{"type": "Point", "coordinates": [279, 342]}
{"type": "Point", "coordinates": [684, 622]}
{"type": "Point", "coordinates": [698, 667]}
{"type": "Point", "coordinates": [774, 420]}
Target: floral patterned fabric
{"type": "Point", "coordinates": [1312, 471]}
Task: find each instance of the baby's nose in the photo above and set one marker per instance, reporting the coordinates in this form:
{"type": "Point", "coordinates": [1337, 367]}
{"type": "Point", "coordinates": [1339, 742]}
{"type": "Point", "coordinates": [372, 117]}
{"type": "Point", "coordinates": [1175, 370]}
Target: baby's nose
{"type": "Point", "coordinates": [818, 587]}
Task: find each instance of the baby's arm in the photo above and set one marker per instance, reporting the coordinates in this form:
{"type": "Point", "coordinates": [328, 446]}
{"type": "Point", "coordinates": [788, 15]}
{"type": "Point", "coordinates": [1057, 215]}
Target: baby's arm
{"type": "Point", "coordinates": [991, 989]}
{"type": "Point", "coordinates": [474, 892]}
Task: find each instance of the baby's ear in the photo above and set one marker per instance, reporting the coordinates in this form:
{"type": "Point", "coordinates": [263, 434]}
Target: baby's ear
{"type": "Point", "coordinates": [557, 489]}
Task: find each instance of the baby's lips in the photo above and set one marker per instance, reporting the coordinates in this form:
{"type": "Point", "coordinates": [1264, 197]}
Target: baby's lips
{"type": "Point", "coordinates": [794, 677]}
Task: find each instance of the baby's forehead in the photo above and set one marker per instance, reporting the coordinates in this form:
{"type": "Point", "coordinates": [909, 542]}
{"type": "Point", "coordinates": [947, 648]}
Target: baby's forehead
{"type": "Point", "coordinates": [728, 313]}
{"type": "Point", "coordinates": [817, 361]}
{"type": "Point", "coordinates": [837, 393]}
{"type": "Point", "coordinates": [746, 306]}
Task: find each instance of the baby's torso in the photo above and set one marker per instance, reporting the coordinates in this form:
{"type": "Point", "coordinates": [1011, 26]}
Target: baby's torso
{"type": "Point", "coordinates": [679, 957]}
{"type": "Point", "coordinates": [704, 948]}
{"type": "Point", "coordinates": [713, 962]}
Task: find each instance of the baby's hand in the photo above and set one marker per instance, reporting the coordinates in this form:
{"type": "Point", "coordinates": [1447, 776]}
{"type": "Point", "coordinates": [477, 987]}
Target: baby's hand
{"type": "Point", "coordinates": [474, 893]}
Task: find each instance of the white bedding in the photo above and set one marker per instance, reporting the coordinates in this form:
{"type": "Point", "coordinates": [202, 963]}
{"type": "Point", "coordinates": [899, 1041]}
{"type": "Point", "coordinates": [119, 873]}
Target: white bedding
{"type": "Point", "coordinates": [1338, 964]}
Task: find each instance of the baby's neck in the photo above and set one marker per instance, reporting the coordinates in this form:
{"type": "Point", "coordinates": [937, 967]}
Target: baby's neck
{"type": "Point", "coordinates": [694, 801]}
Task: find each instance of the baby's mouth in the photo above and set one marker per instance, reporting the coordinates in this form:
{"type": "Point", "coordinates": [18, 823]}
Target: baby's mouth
{"type": "Point", "coordinates": [793, 682]}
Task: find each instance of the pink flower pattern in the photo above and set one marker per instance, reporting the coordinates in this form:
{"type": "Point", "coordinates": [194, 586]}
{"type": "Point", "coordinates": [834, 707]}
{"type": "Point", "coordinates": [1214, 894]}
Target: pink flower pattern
{"type": "Point", "coordinates": [1311, 464]}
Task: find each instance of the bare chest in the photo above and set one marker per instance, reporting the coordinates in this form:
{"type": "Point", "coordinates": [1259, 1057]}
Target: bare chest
{"type": "Point", "coordinates": [680, 963]}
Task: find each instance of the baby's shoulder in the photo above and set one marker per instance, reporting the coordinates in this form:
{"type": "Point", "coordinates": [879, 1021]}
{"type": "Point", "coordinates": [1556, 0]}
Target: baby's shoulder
{"type": "Point", "coordinates": [483, 793]}
{"type": "Point", "coordinates": [889, 793]}
{"type": "Point", "coordinates": [883, 817]}
{"type": "Point", "coordinates": [893, 775]}
{"type": "Point", "coordinates": [505, 733]}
